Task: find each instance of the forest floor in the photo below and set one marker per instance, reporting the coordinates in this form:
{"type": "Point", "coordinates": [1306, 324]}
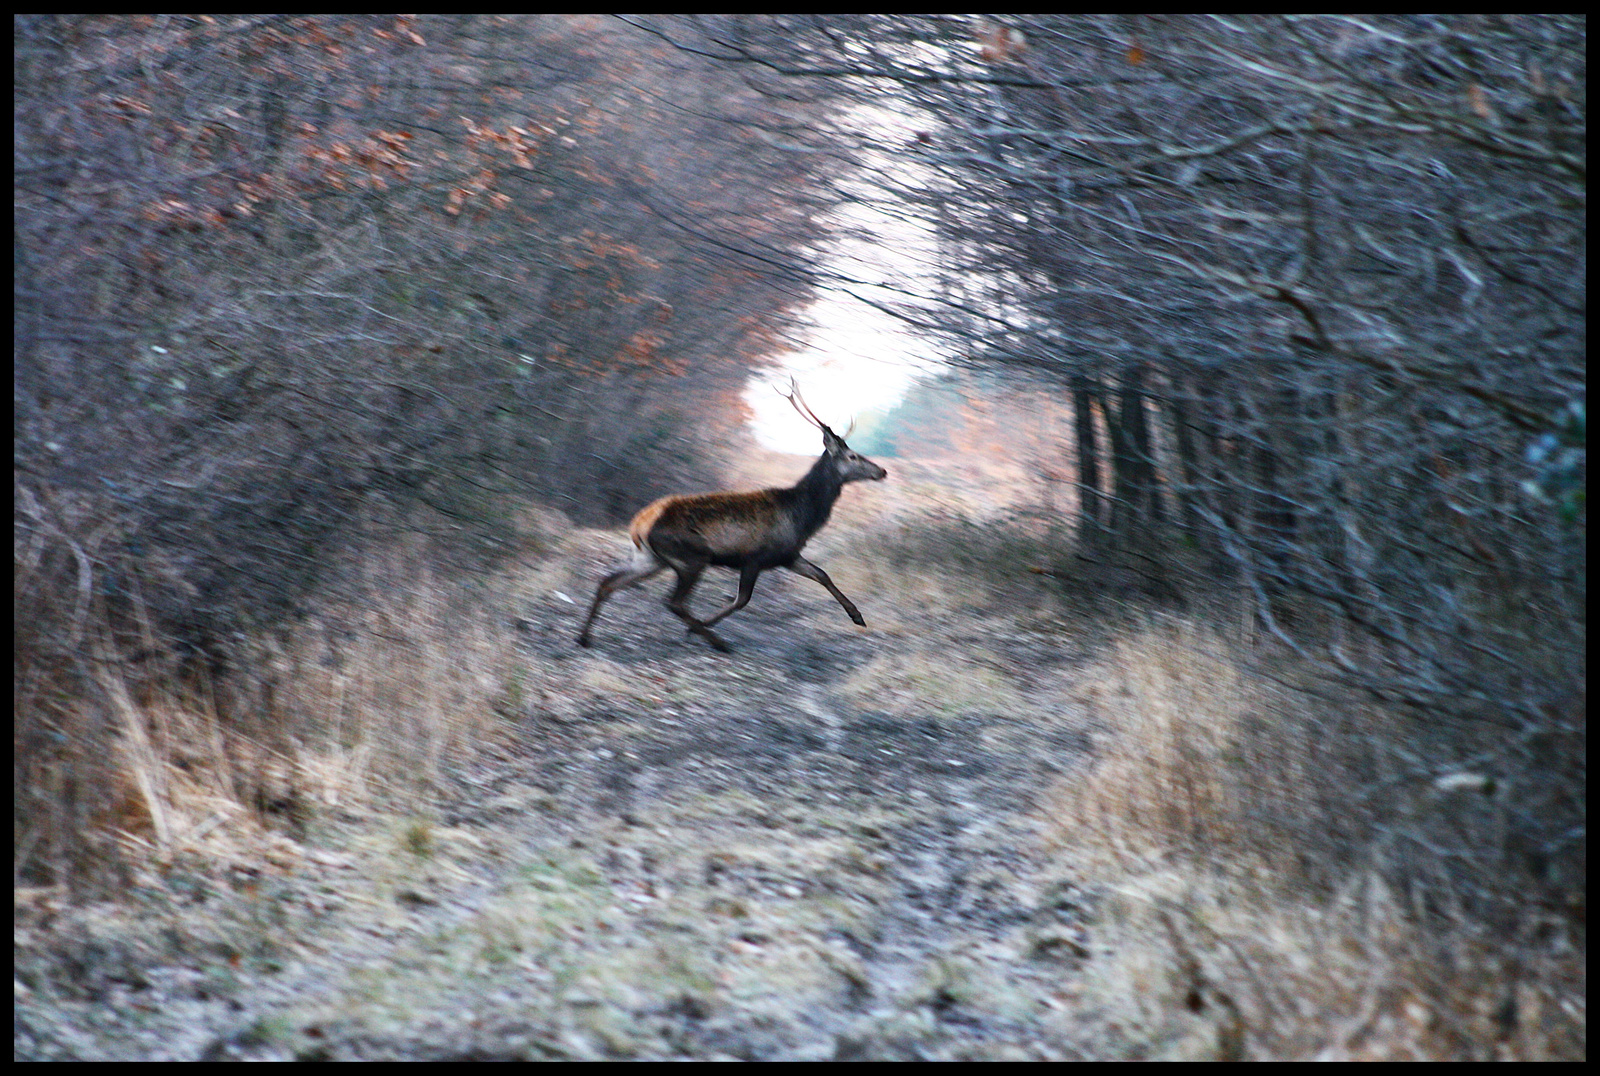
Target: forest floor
{"type": "Point", "coordinates": [829, 844]}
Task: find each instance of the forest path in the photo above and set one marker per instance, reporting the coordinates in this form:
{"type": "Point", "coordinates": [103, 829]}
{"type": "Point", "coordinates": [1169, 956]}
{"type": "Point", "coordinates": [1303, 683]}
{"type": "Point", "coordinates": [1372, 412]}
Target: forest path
{"type": "Point", "coordinates": [830, 844]}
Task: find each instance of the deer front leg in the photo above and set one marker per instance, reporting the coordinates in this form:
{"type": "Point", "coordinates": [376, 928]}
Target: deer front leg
{"type": "Point", "coordinates": [747, 587]}
{"type": "Point", "coordinates": [802, 566]}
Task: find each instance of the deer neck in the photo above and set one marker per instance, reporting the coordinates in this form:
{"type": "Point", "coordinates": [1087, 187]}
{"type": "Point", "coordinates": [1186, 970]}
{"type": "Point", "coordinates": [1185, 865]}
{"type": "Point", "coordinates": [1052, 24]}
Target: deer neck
{"type": "Point", "coordinates": [812, 498]}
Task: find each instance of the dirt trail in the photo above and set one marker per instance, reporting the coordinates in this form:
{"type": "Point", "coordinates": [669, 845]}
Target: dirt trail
{"type": "Point", "coordinates": [820, 873]}
{"type": "Point", "coordinates": [827, 845]}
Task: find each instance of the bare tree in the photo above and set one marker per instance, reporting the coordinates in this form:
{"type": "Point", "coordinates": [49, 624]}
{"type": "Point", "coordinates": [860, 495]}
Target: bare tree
{"type": "Point", "coordinates": [1316, 287]}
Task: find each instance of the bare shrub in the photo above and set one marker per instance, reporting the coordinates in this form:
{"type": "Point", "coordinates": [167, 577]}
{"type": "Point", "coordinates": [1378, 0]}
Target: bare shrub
{"type": "Point", "coordinates": [1298, 877]}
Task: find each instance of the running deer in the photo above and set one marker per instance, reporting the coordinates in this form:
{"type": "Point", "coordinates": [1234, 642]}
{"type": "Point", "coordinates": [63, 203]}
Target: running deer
{"type": "Point", "coordinates": [749, 531]}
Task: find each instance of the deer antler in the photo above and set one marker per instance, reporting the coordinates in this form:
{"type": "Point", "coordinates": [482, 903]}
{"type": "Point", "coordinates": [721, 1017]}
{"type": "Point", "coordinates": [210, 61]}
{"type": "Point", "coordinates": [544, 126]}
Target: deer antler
{"type": "Point", "coordinates": [793, 396]}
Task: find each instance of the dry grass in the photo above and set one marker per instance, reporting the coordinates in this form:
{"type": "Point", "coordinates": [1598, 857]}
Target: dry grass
{"type": "Point", "coordinates": [391, 692]}
{"type": "Point", "coordinates": [1251, 904]}
{"type": "Point", "coordinates": [152, 761]}
{"type": "Point", "coordinates": [914, 684]}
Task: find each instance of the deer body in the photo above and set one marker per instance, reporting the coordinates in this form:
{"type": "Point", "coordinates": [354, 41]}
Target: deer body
{"type": "Point", "coordinates": [751, 531]}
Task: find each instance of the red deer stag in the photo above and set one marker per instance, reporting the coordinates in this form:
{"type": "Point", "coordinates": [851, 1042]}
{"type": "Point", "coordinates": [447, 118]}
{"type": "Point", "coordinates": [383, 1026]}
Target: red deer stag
{"type": "Point", "coordinates": [749, 531]}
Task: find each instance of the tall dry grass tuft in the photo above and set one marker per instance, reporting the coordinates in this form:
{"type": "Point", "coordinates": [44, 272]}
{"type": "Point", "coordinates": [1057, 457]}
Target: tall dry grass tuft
{"type": "Point", "coordinates": [1274, 879]}
{"type": "Point", "coordinates": [132, 752]}
{"type": "Point", "coordinates": [394, 689]}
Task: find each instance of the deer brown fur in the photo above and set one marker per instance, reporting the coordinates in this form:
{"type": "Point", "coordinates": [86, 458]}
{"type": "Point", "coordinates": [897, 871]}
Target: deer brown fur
{"type": "Point", "coordinates": [749, 531]}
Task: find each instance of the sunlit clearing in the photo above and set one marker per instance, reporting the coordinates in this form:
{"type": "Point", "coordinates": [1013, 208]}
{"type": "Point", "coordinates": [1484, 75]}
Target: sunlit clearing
{"type": "Point", "coordinates": [859, 362]}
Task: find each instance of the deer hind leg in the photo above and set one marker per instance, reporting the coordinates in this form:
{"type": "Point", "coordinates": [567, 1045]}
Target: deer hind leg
{"type": "Point", "coordinates": [642, 568]}
{"type": "Point", "coordinates": [802, 566]}
{"type": "Point", "coordinates": [678, 602]}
